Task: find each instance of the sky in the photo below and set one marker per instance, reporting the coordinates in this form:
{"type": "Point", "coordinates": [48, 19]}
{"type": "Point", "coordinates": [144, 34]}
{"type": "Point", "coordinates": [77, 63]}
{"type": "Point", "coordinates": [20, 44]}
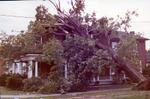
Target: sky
{"type": "Point", "coordinates": [109, 8]}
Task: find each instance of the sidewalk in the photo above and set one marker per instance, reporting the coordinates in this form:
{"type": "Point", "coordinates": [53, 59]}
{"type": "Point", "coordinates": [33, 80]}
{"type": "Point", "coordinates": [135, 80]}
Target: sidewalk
{"type": "Point", "coordinates": [26, 96]}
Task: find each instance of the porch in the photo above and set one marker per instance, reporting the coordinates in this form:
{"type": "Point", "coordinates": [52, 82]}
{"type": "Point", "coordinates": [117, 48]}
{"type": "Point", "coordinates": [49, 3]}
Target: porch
{"type": "Point", "coordinates": [29, 66]}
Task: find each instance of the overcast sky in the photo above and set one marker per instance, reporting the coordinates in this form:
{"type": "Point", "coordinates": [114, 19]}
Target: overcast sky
{"type": "Point", "coordinates": [109, 8]}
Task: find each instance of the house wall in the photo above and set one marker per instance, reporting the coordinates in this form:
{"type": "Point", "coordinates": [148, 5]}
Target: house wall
{"type": "Point", "coordinates": [142, 52]}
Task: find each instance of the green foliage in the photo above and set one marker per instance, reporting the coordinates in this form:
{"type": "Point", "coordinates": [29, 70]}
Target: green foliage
{"type": "Point", "coordinates": [78, 6]}
{"type": "Point", "coordinates": [83, 60]}
{"type": "Point", "coordinates": [39, 31]}
{"type": "Point", "coordinates": [98, 60]}
{"type": "Point", "coordinates": [51, 87]}
{"type": "Point", "coordinates": [11, 46]}
{"type": "Point", "coordinates": [3, 79]}
{"type": "Point", "coordinates": [77, 50]}
{"type": "Point", "coordinates": [32, 84]}
{"type": "Point", "coordinates": [127, 48]}
{"type": "Point", "coordinates": [14, 82]}
{"type": "Point", "coordinates": [52, 54]}
{"type": "Point", "coordinates": [79, 84]}
{"type": "Point", "coordinates": [53, 51]}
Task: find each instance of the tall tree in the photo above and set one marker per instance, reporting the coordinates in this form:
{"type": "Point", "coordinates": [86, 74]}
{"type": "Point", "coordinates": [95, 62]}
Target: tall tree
{"type": "Point", "coordinates": [39, 31]}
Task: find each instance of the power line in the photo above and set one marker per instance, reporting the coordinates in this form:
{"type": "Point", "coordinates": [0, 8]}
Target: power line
{"type": "Point", "coordinates": [16, 16]}
{"type": "Point", "coordinates": [140, 22]}
{"type": "Point", "coordinates": [3, 15]}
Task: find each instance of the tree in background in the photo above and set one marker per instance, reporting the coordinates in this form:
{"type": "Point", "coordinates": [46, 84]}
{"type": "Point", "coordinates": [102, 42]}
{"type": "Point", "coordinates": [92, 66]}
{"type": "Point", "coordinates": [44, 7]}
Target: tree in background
{"type": "Point", "coordinates": [11, 46]}
{"type": "Point", "coordinates": [39, 31]}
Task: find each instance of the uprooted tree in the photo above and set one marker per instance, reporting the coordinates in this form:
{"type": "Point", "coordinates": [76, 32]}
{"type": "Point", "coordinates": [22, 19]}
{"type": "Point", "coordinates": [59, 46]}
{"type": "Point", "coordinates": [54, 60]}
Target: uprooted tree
{"type": "Point", "coordinates": [99, 30]}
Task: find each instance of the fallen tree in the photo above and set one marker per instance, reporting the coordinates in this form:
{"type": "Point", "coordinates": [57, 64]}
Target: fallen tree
{"type": "Point", "coordinates": [100, 30]}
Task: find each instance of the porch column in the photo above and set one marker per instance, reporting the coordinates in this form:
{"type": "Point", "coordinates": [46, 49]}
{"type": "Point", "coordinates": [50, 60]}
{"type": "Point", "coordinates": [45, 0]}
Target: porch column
{"type": "Point", "coordinates": [19, 65]}
{"type": "Point", "coordinates": [30, 71]}
{"type": "Point", "coordinates": [24, 69]}
{"type": "Point", "coordinates": [36, 69]}
{"type": "Point", "coordinates": [13, 67]}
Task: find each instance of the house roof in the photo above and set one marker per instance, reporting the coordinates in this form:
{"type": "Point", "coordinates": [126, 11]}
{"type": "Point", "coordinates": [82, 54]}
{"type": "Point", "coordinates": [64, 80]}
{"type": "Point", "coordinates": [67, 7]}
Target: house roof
{"type": "Point", "coordinates": [142, 39]}
{"type": "Point", "coordinates": [31, 56]}
{"type": "Point", "coordinates": [116, 36]}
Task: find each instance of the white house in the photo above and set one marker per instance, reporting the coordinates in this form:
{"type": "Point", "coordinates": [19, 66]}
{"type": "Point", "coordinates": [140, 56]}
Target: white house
{"type": "Point", "coordinates": [27, 65]}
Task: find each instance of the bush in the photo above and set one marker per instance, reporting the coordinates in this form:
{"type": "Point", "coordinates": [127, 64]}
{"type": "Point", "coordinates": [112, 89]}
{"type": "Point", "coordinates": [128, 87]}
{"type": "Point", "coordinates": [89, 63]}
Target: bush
{"type": "Point", "coordinates": [78, 86]}
{"type": "Point", "coordinates": [3, 79]}
{"type": "Point", "coordinates": [51, 87]}
{"type": "Point", "coordinates": [14, 82]}
{"type": "Point", "coordinates": [63, 86]}
{"type": "Point", "coordinates": [32, 84]}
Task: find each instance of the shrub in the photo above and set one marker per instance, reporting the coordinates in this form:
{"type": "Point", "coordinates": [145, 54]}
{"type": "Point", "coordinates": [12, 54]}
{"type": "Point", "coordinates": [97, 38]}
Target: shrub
{"type": "Point", "coordinates": [14, 82]}
{"type": "Point", "coordinates": [78, 86]}
{"type": "Point", "coordinates": [3, 79]}
{"type": "Point", "coordinates": [32, 84]}
{"type": "Point", "coordinates": [63, 86]}
{"type": "Point", "coordinates": [51, 87]}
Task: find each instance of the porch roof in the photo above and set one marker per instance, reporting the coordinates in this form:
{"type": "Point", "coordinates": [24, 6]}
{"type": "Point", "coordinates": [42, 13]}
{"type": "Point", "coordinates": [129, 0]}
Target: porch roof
{"type": "Point", "coordinates": [28, 57]}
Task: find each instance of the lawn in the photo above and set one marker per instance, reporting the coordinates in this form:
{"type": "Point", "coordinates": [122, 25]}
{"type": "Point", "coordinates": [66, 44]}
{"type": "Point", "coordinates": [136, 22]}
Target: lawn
{"type": "Point", "coordinates": [105, 94]}
{"type": "Point", "coordinates": [6, 91]}
{"type": "Point", "coordinates": [102, 95]}
{"type": "Point", "coordinates": [126, 94]}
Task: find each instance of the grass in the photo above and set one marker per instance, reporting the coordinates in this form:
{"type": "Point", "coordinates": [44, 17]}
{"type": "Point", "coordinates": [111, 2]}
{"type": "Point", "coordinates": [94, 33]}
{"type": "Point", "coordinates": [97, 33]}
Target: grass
{"type": "Point", "coordinates": [6, 91]}
{"type": "Point", "coordinates": [130, 95]}
{"type": "Point", "coordinates": [127, 94]}
{"type": "Point", "coordinates": [110, 94]}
